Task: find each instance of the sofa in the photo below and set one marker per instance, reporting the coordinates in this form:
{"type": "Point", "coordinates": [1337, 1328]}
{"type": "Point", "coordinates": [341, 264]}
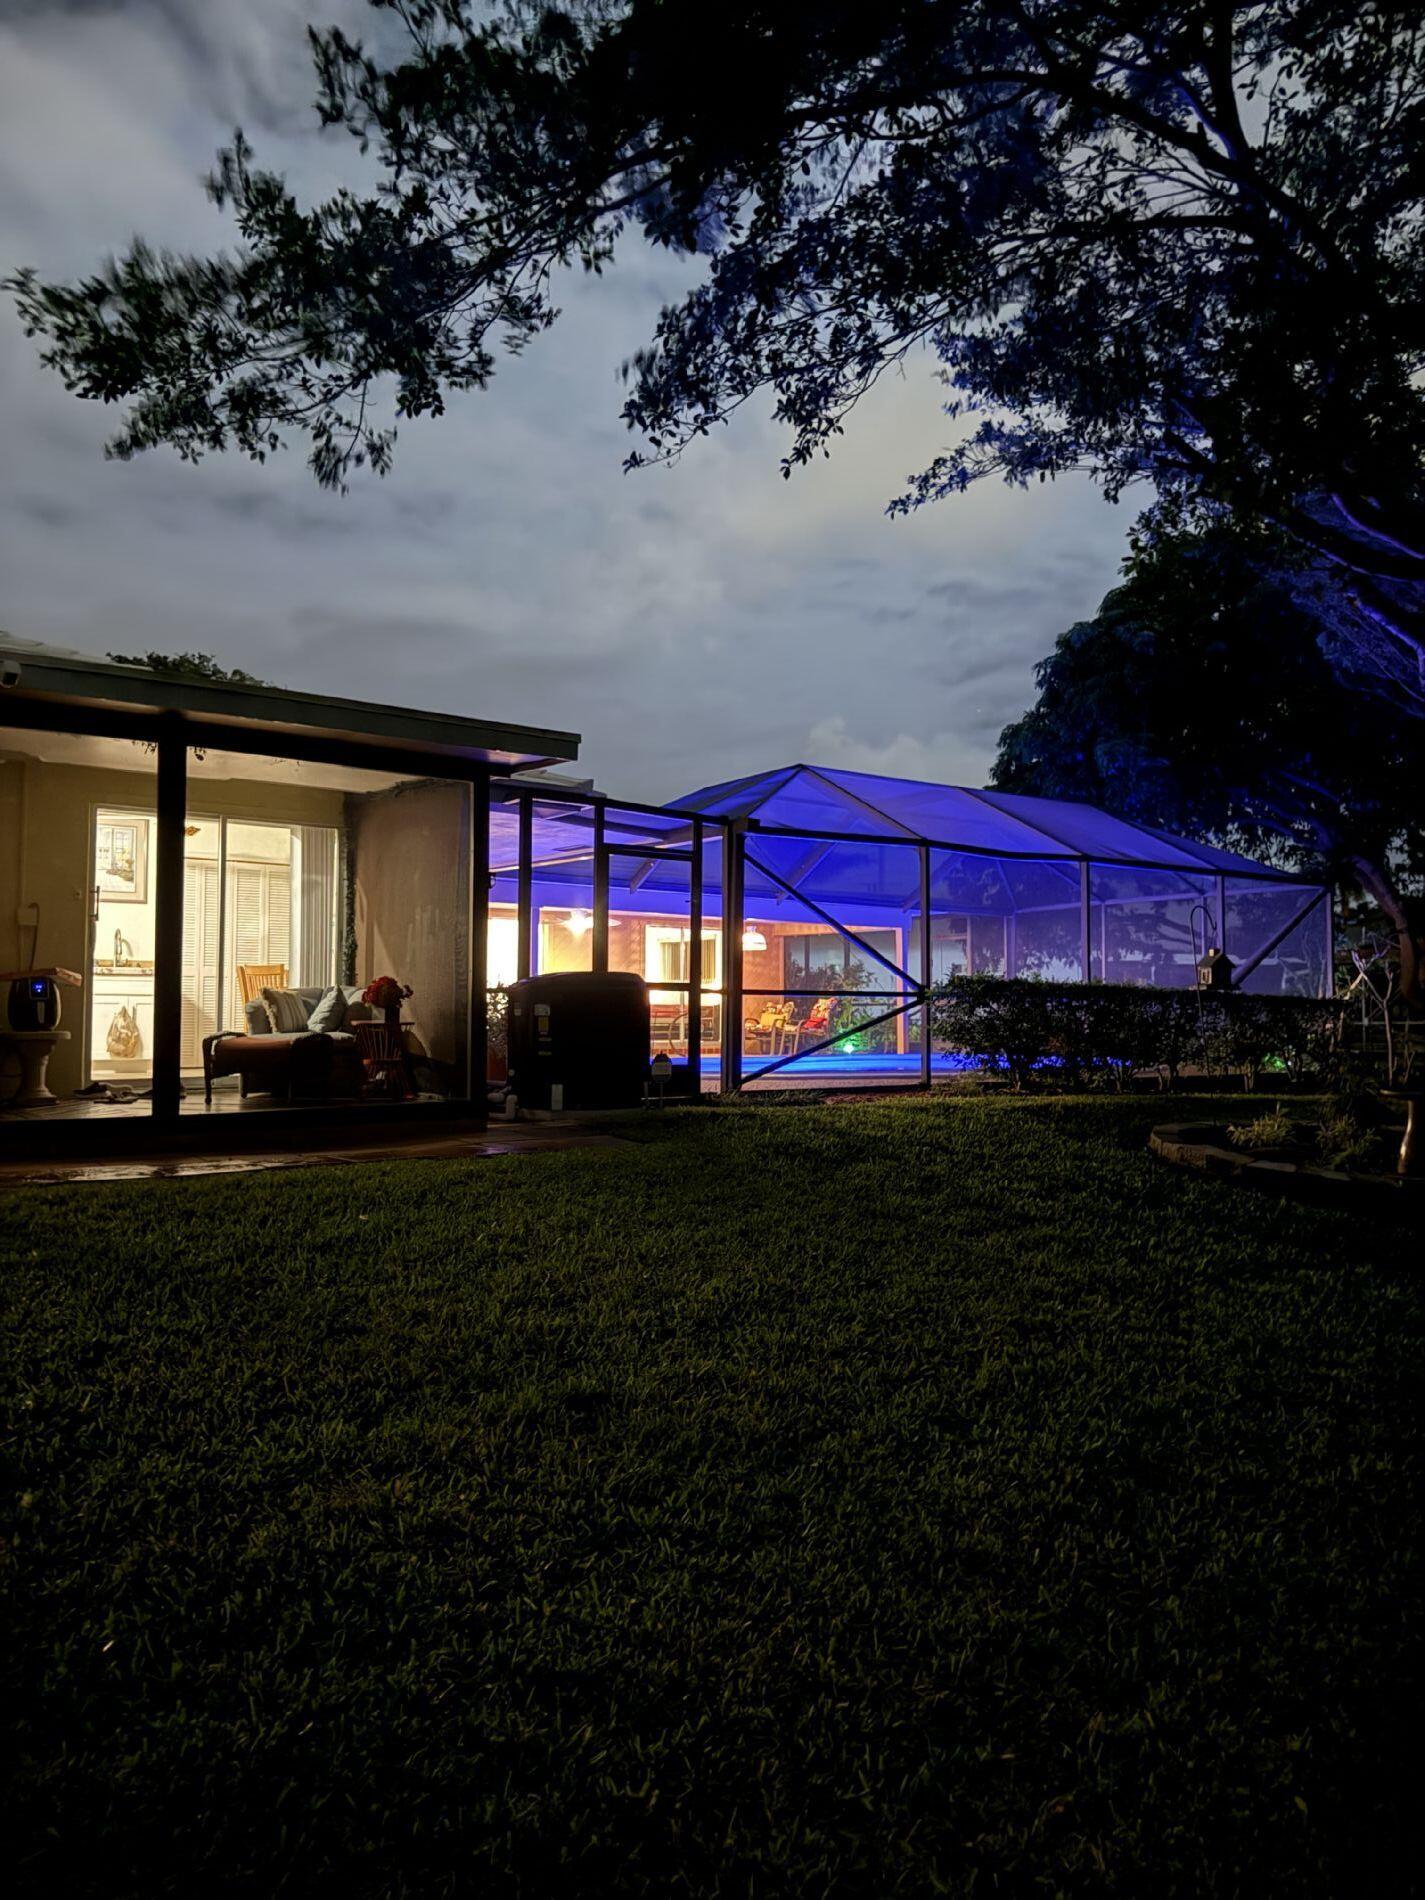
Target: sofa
{"type": "Point", "coordinates": [305, 1064]}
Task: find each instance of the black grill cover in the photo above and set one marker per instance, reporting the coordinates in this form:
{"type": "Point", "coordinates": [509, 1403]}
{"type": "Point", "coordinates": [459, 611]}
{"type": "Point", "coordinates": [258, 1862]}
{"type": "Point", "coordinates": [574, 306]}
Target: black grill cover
{"type": "Point", "coordinates": [583, 1030]}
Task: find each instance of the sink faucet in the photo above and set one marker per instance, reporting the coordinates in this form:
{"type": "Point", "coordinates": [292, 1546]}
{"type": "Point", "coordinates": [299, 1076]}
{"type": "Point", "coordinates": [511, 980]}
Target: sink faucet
{"type": "Point", "coordinates": [121, 944]}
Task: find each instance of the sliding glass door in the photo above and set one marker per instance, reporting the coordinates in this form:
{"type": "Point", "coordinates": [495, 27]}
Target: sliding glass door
{"type": "Point", "coordinates": [258, 898]}
{"type": "Point", "coordinates": [202, 936]}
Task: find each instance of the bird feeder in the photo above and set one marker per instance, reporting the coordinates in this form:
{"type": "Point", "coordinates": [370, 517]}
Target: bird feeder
{"type": "Point", "coordinates": [1214, 970]}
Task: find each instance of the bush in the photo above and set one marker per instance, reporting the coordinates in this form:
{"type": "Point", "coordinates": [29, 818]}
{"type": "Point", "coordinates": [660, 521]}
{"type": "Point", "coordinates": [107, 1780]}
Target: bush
{"type": "Point", "coordinates": [1272, 1130]}
{"type": "Point", "coordinates": [1105, 1033]}
{"type": "Point", "coordinates": [1348, 1134]}
{"type": "Point", "coordinates": [1008, 1026]}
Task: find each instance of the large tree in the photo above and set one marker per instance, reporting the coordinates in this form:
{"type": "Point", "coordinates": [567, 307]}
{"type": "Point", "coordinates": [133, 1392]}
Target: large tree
{"type": "Point", "coordinates": [1198, 699]}
{"type": "Point", "coordinates": [1177, 244]}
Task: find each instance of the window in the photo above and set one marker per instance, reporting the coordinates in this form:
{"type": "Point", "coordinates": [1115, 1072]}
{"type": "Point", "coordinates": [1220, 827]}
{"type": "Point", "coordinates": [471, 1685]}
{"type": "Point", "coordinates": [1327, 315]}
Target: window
{"type": "Point", "coordinates": [667, 955]}
{"type": "Point", "coordinates": [667, 960]}
{"type": "Point", "coordinates": [502, 952]}
{"type": "Point", "coordinates": [949, 947]}
{"type": "Point", "coordinates": [827, 960]}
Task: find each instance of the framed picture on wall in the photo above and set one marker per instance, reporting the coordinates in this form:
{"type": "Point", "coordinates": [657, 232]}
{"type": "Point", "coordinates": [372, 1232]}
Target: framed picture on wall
{"type": "Point", "coordinates": [121, 860]}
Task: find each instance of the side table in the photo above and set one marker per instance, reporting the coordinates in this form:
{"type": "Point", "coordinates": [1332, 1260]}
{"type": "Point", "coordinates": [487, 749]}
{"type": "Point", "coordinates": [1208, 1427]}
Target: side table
{"type": "Point", "coordinates": [382, 1048]}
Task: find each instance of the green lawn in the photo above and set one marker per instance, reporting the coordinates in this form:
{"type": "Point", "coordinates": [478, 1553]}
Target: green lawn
{"type": "Point", "coordinates": [933, 1497]}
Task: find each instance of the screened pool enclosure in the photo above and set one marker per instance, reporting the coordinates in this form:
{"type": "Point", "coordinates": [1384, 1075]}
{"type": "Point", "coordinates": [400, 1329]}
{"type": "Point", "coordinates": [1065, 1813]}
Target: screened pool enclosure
{"type": "Point", "coordinates": [791, 925]}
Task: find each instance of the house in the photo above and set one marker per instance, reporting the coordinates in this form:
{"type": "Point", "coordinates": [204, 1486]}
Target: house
{"type": "Point", "coordinates": [221, 869]}
{"type": "Point", "coordinates": [171, 841]}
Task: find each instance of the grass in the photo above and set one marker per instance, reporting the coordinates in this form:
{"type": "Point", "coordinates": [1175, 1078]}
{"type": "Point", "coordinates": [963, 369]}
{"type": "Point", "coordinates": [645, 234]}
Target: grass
{"type": "Point", "coordinates": [935, 1497]}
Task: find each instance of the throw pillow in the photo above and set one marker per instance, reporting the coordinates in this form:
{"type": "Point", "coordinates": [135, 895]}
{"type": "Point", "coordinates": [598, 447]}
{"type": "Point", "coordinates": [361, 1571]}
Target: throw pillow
{"type": "Point", "coordinates": [329, 1015]}
{"type": "Point", "coordinates": [286, 1012]}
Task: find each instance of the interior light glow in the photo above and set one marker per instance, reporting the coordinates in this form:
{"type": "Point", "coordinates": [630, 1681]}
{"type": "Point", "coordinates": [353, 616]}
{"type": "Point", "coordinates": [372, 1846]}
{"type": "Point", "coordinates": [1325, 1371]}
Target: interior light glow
{"type": "Point", "coordinates": [753, 939]}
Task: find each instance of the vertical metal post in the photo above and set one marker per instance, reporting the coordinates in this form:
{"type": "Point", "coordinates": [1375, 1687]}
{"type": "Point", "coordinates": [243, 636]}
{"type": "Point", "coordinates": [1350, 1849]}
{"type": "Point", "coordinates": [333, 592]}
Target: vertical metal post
{"type": "Point", "coordinates": [926, 966]}
{"type": "Point", "coordinates": [1330, 986]}
{"type": "Point", "coordinates": [1222, 914]}
{"type": "Point", "coordinates": [525, 879]}
{"type": "Point", "coordinates": [222, 984]}
{"type": "Point", "coordinates": [172, 810]}
{"type": "Point", "coordinates": [1085, 924]}
{"type": "Point", "coordinates": [601, 893]}
{"type": "Point", "coordinates": [478, 1021]}
{"type": "Point", "coordinates": [732, 880]}
{"type": "Point", "coordinates": [695, 964]}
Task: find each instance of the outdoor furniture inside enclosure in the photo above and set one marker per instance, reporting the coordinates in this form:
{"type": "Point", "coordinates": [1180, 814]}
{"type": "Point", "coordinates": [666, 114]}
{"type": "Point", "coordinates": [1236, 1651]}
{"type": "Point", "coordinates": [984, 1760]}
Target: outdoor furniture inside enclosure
{"type": "Point", "coordinates": [826, 904]}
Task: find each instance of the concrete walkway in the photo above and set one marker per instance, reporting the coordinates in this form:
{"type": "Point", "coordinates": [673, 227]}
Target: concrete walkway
{"type": "Point", "coordinates": [423, 1145]}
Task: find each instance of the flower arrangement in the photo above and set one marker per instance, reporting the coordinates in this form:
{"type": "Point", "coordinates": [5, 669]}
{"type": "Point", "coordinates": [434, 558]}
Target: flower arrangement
{"type": "Point", "coordinates": [386, 994]}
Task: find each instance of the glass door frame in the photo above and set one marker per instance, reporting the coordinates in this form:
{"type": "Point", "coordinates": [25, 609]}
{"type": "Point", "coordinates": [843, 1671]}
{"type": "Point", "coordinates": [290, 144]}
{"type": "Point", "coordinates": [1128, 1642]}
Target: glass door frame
{"type": "Point", "coordinates": [94, 898]}
{"type": "Point", "coordinates": [692, 856]}
{"type": "Point", "coordinates": [223, 820]}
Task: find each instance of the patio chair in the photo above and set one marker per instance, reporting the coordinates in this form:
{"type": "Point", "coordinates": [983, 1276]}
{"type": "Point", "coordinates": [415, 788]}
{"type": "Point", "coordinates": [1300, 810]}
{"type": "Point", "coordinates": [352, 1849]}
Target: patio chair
{"type": "Point", "coordinates": [668, 1029]}
{"type": "Point", "coordinates": [767, 1032]}
{"type": "Point", "coordinates": [817, 1025]}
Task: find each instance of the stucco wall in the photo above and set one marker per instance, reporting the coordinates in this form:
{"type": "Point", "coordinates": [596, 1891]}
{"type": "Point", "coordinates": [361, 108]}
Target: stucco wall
{"type": "Point", "coordinates": [410, 861]}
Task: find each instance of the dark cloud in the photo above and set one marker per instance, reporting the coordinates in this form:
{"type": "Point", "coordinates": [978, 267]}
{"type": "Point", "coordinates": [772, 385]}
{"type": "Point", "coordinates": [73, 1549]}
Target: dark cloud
{"type": "Point", "coordinates": [265, 511]}
{"type": "Point", "coordinates": [47, 513]}
{"type": "Point", "coordinates": [693, 623]}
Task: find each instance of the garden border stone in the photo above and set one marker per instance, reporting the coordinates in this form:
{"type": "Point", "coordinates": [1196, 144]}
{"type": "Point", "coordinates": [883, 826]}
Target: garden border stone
{"type": "Point", "coordinates": [1205, 1147]}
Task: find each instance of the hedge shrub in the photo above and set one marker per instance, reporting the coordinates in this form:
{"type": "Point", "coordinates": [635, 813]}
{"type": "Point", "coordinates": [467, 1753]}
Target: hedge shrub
{"type": "Point", "coordinates": [1083, 1034]}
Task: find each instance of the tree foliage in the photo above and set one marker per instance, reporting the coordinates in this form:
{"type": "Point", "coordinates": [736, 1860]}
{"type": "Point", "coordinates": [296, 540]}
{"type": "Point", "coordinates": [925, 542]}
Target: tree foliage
{"type": "Point", "coordinates": [1180, 245]}
{"type": "Point", "coordinates": [193, 666]}
{"type": "Point", "coordinates": [1199, 699]}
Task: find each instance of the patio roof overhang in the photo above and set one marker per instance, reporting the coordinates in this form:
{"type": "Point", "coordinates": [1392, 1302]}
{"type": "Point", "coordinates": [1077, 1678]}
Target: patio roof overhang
{"type": "Point", "coordinates": [36, 677]}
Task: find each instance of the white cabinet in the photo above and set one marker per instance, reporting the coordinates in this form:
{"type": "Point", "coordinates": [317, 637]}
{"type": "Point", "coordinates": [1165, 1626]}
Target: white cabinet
{"type": "Point", "coordinates": [113, 991]}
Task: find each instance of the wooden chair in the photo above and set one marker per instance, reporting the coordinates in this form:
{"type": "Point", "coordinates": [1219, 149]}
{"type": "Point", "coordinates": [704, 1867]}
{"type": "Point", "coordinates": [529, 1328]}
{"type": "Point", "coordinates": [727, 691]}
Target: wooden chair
{"type": "Point", "coordinates": [255, 977]}
{"type": "Point", "coordinates": [767, 1032]}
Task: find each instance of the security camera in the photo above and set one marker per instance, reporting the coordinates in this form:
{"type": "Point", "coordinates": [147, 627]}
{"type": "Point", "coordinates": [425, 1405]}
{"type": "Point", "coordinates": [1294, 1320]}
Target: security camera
{"type": "Point", "coordinates": [9, 672]}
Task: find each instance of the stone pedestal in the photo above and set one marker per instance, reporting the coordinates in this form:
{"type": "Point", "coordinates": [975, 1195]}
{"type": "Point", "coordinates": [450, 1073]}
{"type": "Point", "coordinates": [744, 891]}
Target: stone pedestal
{"type": "Point", "coordinates": [34, 1047]}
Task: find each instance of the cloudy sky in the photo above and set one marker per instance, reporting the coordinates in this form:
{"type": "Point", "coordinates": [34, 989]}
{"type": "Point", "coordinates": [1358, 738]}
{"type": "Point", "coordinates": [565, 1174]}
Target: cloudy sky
{"type": "Point", "coordinates": [692, 623]}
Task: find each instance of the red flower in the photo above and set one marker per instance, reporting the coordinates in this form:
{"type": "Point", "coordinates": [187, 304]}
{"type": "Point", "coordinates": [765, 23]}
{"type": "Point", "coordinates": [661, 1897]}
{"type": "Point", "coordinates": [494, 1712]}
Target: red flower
{"type": "Point", "coordinates": [384, 992]}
